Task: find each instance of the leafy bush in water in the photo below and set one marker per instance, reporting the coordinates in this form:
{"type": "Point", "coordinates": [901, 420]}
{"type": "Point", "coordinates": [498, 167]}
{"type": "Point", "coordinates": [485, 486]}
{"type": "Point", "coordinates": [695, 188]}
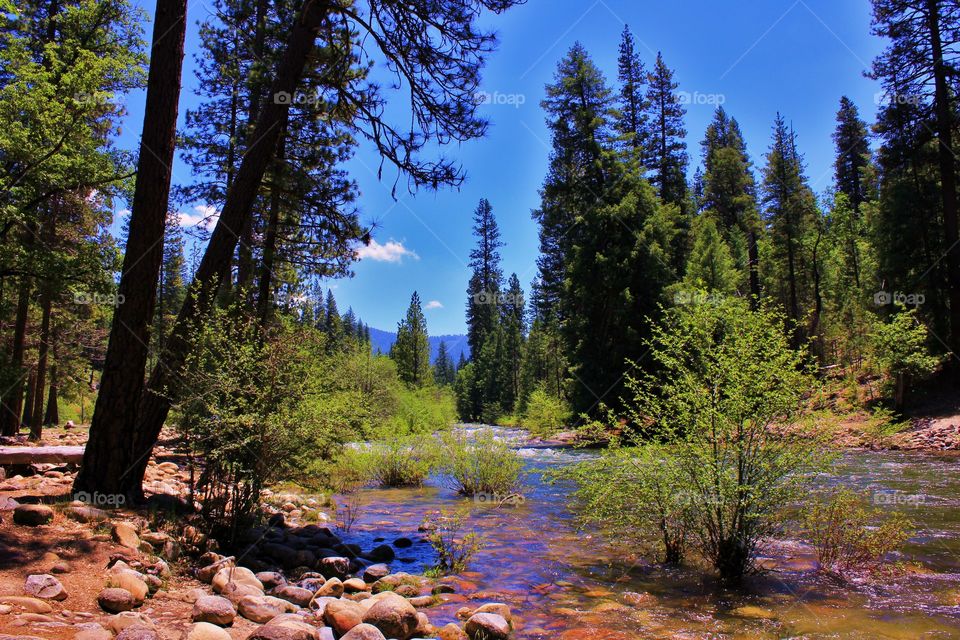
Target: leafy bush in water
{"type": "Point", "coordinates": [482, 464]}
{"type": "Point", "coordinates": [724, 375]}
{"type": "Point", "coordinates": [545, 413]}
{"type": "Point", "coordinates": [454, 548]}
{"type": "Point", "coordinates": [848, 537]}
{"type": "Point", "coordinates": [637, 493]}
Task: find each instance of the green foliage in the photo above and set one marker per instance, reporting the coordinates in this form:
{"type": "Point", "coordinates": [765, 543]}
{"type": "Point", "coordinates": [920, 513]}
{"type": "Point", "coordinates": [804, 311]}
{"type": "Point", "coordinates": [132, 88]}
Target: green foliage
{"type": "Point", "coordinates": [481, 465]}
{"type": "Point", "coordinates": [848, 537]}
{"type": "Point", "coordinates": [411, 351]}
{"type": "Point", "coordinates": [454, 548]}
{"type": "Point", "coordinates": [401, 461]}
{"type": "Point", "coordinates": [545, 414]}
{"type": "Point", "coordinates": [900, 350]}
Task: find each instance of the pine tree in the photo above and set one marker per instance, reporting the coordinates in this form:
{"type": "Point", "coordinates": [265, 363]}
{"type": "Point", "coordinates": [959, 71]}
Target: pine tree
{"type": "Point", "coordinates": [710, 266]}
{"type": "Point", "coordinates": [513, 320]}
{"type": "Point", "coordinates": [667, 148]}
{"type": "Point", "coordinates": [332, 322]}
{"type": "Point", "coordinates": [411, 351]}
{"type": "Point", "coordinates": [631, 121]}
{"type": "Point", "coordinates": [443, 368]}
{"type": "Point", "coordinates": [853, 153]}
{"type": "Point", "coordinates": [483, 291]}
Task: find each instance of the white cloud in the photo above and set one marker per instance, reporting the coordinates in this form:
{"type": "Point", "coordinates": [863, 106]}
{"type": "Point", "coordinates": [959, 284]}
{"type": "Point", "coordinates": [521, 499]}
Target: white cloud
{"type": "Point", "coordinates": [392, 251]}
{"type": "Point", "coordinates": [434, 304]}
{"type": "Point", "coordinates": [204, 216]}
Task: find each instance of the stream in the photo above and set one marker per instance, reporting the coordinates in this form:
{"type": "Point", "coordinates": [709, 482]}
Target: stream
{"type": "Point", "coordinates": [565, 583]}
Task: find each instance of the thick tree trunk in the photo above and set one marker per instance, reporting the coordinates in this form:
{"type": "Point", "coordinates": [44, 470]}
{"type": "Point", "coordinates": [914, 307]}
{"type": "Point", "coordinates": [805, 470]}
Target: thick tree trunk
{"type": "Point", "coordinates": [753, 258]}
{"type": "Point", "coordinates": [264, 302]}
{"type": "Point", "coordinates": [948, 177]}
{"type": "Point", "coordinates": [52, 416]}
{"type": "Point", "coordinates": [13, 397]}
{"type": "Point", "coordinates": [108, 459]}
{"type": "Point", "coordinates": [27, 418]}
{"type": "Point", "coordinates": [36, 422]}
{"type": "Point", "coordinates": [213, 268]}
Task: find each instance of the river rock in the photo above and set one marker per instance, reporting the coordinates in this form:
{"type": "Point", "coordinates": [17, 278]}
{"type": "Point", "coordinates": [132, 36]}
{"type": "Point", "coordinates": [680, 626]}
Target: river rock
{"type": "Point", "coordinates": [332, 588]}
{"type": "Point", "coordinates": [342, 615]}
{"type": "Point", "coordinates": [213, 609]}
{"type": "Point", "coordinates": [271, 579]}
{"type": "Point", "coordinates": [93, 632]}
{"type": "Point", "coordinates": [45, 586]}
{"type": "Point", "coordinates": [498, 608]}
{"type": "Point", "coordinates": [138, 632]}
{"type": "Point", "coordinates": [383, 553]}
{"type": "Point", "coordinates": [32, 515]}
{"type": "Point", "coordinates": [125, 534]}
{"type": "Point", "coordinates": [263, 609]}
{"type": "Point", "coordinates": [121, 621]}
{"type": "Point", "coordinates": [115, 600]}
{"type": "Point", "coordinates": [364, 632]}
{"type": "Point", "coordinates": [375, 571]}
{"type": "Point", "coordinates": [86, 514]}
{"type": "Point", "coordinates": [30, 605]}
{"type": "Point", "coordinates": [205, 631]}
{"type": "Point", "coordinates": [393, 615]}
{"type": "Point", "coordinates": [452, 632]}
{"type": "Point", "coordinates": [286, 627]}
{"type": "Point", "coordinates": [130, 581]}
{"type": "Point", "coordinates": [487, 626]}
{"type": "Point", "coordinates": [337, 566]}
{"type": "Point", "coordinates": [235, 592]}
{"type": "Point", "coordinates": [206, 573]}
{"type": "Point", "coordinates": [237, 575]}
{"type": "Point", "coordinates": [297, 595]}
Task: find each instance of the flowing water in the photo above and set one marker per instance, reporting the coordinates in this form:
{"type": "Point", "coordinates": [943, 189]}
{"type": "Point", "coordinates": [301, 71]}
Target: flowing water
{"type": "Point", "coordinates": [568, 584]}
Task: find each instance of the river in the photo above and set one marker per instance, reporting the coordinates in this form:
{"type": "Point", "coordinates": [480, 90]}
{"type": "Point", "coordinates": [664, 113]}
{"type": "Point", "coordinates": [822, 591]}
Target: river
{"type": "Point", "coordinates": [568, 584]}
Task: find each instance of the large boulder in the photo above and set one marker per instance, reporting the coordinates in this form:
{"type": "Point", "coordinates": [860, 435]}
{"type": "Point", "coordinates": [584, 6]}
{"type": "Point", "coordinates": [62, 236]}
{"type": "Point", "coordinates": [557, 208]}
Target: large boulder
{"type": "Point", "coordinates": [32, 515]}
{"type": "Point", "coordinates": [393, 615]}
{"type": "Point", "coordinates": [342, 615]}
{"type": "Point", "coordinates": [213, 609]}
{"type": "Point", "coordinates": [45, 586]}
{"type": "Point", "coordinates": [487, 626]}
{"type": "Point", "coordinates": [263, 609]}
{"type": "Point", "coordinates": [115, 600]}
{"type": "Point", "coordinates": [236, 575]}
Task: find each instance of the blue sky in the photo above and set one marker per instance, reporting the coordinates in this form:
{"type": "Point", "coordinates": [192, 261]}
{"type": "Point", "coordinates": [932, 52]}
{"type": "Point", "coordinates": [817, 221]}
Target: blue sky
{"type": "Point", "coordinates": [793, 56]}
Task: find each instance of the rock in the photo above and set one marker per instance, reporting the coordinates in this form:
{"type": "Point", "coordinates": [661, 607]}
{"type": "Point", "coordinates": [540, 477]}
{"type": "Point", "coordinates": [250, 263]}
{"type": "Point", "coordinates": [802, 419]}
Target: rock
{"type": "Point", "coordinates": [86, 514]}
{"type": "Point", "coordinates": [353, 585]}
{"type": "Point", "coordinates": [342, 615]}
{"type": "Point", "coordinates": [487, 626]}
{"type": "Point", "coordinates": [125, 534]}
{"type": "Point", "coordinates": [403, 543]}
{"type": "Point", "coordinates": [32, 515]}
{"type": "Point", "coordinates": [213, 609]}
{"type": "Point", "coordinates": [423, 601]}
{"type": "Point", "coordinates": [5, 609]}
{"type": "Point", "coordinates": [271, 579]}
{"type": "Point", "coordinates": [205, 631]}
{"type": "Point", "coordinates": [121, 621]}
{"type": "Point", "coordinates": [263, 609]}
{"type": "Point", "coordinates": [115, 600]}
{"type": "Point", "coordinates": [383, 553]}
{"type": "Point", "coordinates": [297, 595]}
{"type": "Point", "coordinates": [336, 566]}
{"type": "Point", "coordinates": [45, 586]}
{"type": "Point", "coordinates": [206, 574]}
{"type": "Point", "coordinates": [285, 627]}
{"type": "Point", "coordinates": [131, 581]}
{"type": "Point", "coordinates": [331, 588]}
{"type": "Point", "coordinates": [237, 575]}
{"type": "Point", "coordinates": [393, 615]}
{"type": "Point", "coordinates": [235, 592]}
{"type": "Point", "coordinates": [375, 571]}
{"type": "Point", "coordinates": [364, 632]}
{"type": "Point", "coordinates": [93, 632]}
{"type": "Point", "coordinates": [501, 610]}
{"type": "Point", "coordinates": [424, 628]}
{"type": "Point", "coordinates": [137, 632]}
{"type": "Point", "coordinates": [30, 605]}
{"type": "Point", "coordinates": [452, 632]}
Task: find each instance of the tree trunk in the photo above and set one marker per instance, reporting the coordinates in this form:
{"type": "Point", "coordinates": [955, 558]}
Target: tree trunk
{"type": "Point", "coordinates": [107, 462]}
{"type": "Point", "coordinates": [155, 403]}
{"type": "Point", "coordinates": [27, 418]}
{"type": "Point", "coordinates": [13, 397]}
{"type": "Point", "coordinates": [948, 178]}
{"type": "Point", "coordinates": [753, 258]}
{"type": "Point", "coordinates": [264, 302]}
{"type": "Point", "coordinates": [52, 416]}
{"type": "Point", "coordinates": [36, 423]}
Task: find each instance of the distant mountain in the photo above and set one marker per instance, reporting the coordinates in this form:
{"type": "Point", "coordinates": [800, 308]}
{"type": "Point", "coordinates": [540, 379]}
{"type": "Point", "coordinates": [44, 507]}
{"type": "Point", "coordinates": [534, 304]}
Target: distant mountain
{"type": "Point", "coordinates": [383, 340]}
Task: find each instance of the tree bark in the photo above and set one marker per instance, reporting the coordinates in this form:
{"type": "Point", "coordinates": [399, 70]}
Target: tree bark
{"type": "Point", "coordinates": [108, 458]}
{"type": "Point", "coordinates": [13, 397]}
{"type": "Point", "coordinates": [213, 268]}
{"type": "Point", "coordinates": [27, 418]}
{"type": "Point", "coordinates": [43, 350]}
{"type": "Point", "coordinates": [52, 416]}
{"type": "Point", "coordinates": [948, 178]}
{"type": "Point", "coordinates": [264, 302]}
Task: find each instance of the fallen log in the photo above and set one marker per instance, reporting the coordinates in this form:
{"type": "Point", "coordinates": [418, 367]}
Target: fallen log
{"type": "Point", "coordinates": [32, 455]}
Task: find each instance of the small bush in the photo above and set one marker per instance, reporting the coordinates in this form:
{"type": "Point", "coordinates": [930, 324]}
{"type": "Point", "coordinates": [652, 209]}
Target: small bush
{"type": "Point", "coordinates": [400, 462]}
{"type": "Point", "coordinates": [848, 537]}
{"type": "Point", "coordinates": [546, 414]}
{"type": "Point", "coordinates": [454, 548]}
{"type": "Point", "coordinates": [483, 464]}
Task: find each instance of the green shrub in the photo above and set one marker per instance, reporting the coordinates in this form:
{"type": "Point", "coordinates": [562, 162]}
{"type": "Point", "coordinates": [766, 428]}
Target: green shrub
{"type": "Point", "coordinates": [546, 414]}
{"type": "Point", "coordinates": [481, 465]}
{"type": "Point", "coordinates": [454, 548]}
{"type": "Point", "coordinates": [848, 537]}
{"type": "Point", "coordinates": [900, 349]}
{"type": "Point", "coordinates": [401, 461]}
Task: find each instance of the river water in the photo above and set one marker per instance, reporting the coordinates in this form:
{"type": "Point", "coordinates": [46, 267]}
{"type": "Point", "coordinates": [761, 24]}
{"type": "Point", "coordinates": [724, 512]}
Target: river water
{"type": "Point", "coordinates": [566, 583]}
